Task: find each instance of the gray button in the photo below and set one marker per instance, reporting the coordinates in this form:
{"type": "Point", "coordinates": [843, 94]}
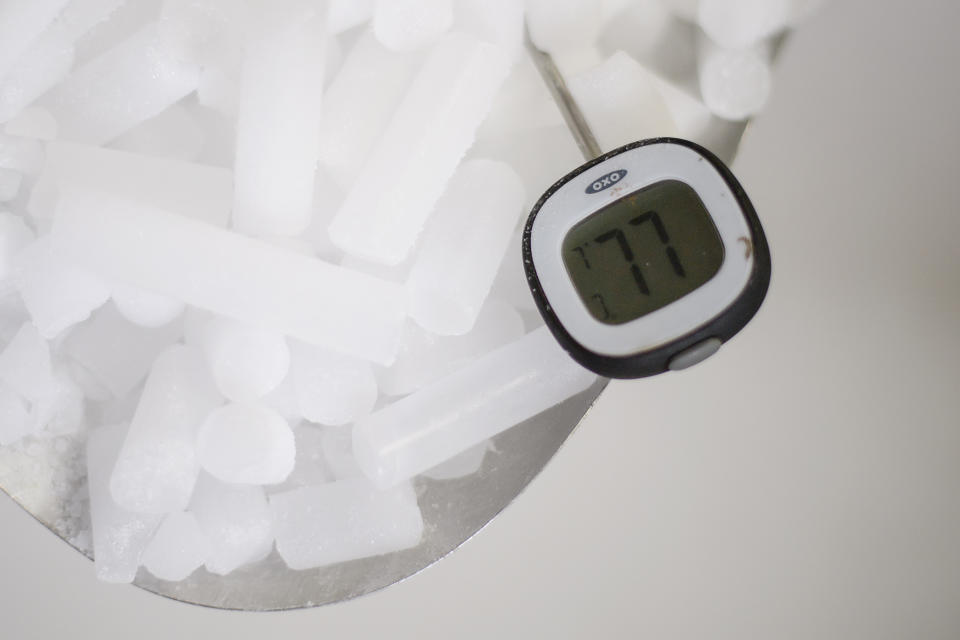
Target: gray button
{"type": "Point", "coordinates": [695, 354]}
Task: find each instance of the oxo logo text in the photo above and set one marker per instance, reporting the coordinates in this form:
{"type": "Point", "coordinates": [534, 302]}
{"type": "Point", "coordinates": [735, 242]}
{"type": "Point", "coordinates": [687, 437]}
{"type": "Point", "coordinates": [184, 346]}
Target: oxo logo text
{"type": "Point", "coordinates": [607, 181]}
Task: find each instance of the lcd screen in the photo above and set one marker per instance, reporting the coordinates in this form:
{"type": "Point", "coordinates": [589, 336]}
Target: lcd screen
{"type": "Point", "coordinates": [643, 252]}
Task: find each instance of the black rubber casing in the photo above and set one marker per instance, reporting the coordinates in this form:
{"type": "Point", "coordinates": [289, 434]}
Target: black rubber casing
{"type": "Point", "coordinates": [723, 326]}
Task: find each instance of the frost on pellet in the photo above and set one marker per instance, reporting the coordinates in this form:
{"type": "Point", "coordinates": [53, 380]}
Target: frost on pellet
{"type": "Point", "coordinates": [259, 261]}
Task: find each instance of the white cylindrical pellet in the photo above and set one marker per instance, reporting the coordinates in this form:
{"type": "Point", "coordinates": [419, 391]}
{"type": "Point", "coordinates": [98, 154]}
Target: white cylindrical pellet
{"type": "Point", "coordinates": [232, 275]}
{"type": "Point", "coordinates": [278, 136]}
{"type": "Point", "coordinates": [436, 122]}
{"type": "Point", "coordinates": [246, 362]}
{"type": "Point", "coordinates": [157, 467]}
{"type": "Point", "coordinates": [735, 83]}
{"type": "Point", "coordinates": [246, 444]}
{"type": "Point", "coordinates": [121, 88]}
{"type": "Point", "coordinates": [494, 393]}
{"type": "Point", "coordinates": [359, 103]}
{"type": "Point", "coordinates": [344, 520]}
{"type": "Point", "coordinates": [119, 536]}
{"type": "Point", "coordinates": [407, 25]}
{"type": "Point", "coordinates": [331, 389]}
{"type": "Point", "coordinates": [463, 246]}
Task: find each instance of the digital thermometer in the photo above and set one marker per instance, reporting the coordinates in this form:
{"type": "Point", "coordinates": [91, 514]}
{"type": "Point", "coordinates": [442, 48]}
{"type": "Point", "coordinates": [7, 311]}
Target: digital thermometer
{"type": "Point", "coordinates": [646, 259]}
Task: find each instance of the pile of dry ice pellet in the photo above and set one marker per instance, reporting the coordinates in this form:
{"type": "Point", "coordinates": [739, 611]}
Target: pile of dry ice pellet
{"type": "Point", "coordinates": [259, 261]}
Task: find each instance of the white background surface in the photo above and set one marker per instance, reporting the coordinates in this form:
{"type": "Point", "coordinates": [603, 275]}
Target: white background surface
{"type": "Point", "coordinates": [803, 483]}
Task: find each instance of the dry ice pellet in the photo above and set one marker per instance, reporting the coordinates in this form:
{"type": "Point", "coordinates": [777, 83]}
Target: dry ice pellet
{"type": "Point", "coordinates": [259, 260]}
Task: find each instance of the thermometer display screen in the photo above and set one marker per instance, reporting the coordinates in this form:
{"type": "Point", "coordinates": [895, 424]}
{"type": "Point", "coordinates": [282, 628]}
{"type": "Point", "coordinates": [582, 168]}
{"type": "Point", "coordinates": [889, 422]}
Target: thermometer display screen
{"type": "Point", "coordinates": [643, 252]}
